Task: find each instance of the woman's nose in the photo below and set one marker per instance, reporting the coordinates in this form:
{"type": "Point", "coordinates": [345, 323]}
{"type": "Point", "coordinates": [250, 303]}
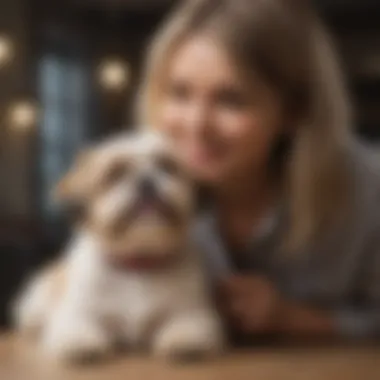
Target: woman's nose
{"type": "Point", "coordinates": [198, 118]}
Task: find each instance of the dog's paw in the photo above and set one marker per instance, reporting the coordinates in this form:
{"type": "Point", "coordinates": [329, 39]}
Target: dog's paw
{"type": "Point", "coordinates": [25, 320]}
{"type": "Point", "coordinates": [27, 312]}
{"type": "Point", "coordinates": [78, 344]}
{"type": "Point", "coordinates": [194, 337]}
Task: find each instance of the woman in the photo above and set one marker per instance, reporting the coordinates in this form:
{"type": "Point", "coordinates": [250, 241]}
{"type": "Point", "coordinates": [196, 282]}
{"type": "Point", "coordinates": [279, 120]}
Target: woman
{"type": "Point", "coordinates": [252, 95]}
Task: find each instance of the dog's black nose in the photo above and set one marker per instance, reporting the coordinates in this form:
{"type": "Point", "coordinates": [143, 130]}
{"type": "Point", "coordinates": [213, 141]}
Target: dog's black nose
{"type": "Point", "coordinates": [147, 188]}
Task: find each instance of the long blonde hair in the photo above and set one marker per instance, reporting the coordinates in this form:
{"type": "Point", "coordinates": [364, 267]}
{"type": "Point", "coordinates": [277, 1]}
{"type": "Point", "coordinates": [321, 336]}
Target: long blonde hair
{"type": "Point", "coordinates": [284, 41]}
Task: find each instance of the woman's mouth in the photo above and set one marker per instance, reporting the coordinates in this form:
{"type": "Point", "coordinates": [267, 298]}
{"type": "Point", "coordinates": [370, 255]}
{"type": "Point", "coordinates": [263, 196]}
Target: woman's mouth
{"type": "Point", "coordinates": [205, 156]}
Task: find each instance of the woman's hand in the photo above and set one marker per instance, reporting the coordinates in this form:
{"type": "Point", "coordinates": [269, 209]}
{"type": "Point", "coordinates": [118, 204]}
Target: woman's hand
{"type": "Point", "coordinates": [253, 305]}
{"type": "Point", "coordinates": [250, 303]}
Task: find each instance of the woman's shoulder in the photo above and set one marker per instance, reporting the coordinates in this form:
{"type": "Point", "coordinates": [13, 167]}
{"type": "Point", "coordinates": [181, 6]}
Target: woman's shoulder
{"type": "Point", "coordinates": [365, 170]}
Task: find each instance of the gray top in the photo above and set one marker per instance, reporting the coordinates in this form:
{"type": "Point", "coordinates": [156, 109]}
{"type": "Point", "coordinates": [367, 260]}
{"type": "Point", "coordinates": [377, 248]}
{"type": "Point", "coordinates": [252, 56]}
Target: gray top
{"type": "Point", "coordinates": [340, 271]}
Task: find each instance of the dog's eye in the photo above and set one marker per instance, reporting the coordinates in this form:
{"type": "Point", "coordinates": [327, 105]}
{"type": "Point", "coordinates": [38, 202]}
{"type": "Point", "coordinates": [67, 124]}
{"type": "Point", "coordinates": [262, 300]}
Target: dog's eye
{"type": "Point", "coordinates": [116, 172]}
{"type": "Point", "coordinates": [168, 165]}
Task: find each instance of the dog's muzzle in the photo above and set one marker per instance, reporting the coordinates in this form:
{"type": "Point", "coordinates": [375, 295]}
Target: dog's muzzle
{"type": "Point", "coordinates": [149, 202]}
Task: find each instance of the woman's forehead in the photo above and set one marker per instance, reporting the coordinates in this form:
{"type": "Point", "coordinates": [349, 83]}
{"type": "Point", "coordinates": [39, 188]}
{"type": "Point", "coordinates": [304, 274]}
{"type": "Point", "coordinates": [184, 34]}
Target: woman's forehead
{"type": "Point", "coordinates": [203, 56]}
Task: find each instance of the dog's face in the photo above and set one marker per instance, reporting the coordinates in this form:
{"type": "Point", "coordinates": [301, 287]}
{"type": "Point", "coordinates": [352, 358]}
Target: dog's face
{"type": "Point", "coordinates": [134, 194]}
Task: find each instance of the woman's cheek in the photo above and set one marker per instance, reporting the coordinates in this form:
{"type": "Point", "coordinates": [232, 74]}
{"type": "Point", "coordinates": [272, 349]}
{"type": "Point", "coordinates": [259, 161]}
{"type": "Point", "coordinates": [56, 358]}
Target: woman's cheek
{"type": "Point", "coordinates": [248, 138]}
{"type": "Point", "coordinates": [236, 125]}
{"type": "Point", "coordinates": [170, 122]}
{"type": "Point", "coordinates": [167, 118]}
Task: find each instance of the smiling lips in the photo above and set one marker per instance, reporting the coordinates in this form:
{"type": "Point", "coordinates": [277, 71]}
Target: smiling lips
{"type": "Point", "coordinates": [201, 156]}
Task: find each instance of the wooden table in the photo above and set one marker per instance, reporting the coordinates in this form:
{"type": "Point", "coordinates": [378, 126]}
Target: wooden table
{"type": "Point", "coordinates": [19, 362]}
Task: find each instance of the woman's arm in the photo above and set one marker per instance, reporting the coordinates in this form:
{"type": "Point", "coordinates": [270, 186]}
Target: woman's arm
{"type": "Point", "coordinates": [301, 321]}
{"type": "Point", "coordinates": [298, 320]}
{"type": "Point", "coordinates": [254, 306]}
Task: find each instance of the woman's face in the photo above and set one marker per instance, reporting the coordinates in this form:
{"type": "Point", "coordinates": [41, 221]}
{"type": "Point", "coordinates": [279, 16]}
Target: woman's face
{"type": "Point", "coordinates": [224, 127]}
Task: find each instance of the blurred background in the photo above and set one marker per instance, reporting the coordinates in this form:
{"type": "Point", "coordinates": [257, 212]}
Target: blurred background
{"type": "Point", "coordinates": [69, 70]}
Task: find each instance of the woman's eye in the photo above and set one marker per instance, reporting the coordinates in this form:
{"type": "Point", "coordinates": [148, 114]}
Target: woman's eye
{"type": "Point", "coordinates": [178, 91]}
{"type": "Point", "coordinates": [232, 98]}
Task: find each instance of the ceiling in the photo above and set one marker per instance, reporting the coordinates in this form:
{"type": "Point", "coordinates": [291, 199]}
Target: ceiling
{"type": "Point", "coordinates": [341, 6]}
{"type": "Point", "coordinates": [123, 4]}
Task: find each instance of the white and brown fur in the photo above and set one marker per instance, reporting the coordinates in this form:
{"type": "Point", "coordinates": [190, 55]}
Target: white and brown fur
{"type": "Point", "coordinates": [85, 303]}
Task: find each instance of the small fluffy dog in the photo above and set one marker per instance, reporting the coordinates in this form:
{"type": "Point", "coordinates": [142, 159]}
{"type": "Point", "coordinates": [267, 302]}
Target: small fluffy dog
{"type": "Point", "coordinates": [129, 275]}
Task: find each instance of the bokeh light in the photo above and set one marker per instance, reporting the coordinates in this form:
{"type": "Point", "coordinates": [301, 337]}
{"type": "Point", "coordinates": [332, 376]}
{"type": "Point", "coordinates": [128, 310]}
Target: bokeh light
{"type": "Point", "coordinates": [114, 74]}
{"type": "Point", "coordinates": [6, 50]}
{"type": "Point", "coordinates": [23, 115]}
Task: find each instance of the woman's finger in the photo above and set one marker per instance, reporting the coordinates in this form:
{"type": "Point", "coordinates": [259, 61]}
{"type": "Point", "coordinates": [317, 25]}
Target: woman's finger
{"type": "Point", "coordinates": [235, 309]}
{"type": "Point", "coordinates": [237, 285]}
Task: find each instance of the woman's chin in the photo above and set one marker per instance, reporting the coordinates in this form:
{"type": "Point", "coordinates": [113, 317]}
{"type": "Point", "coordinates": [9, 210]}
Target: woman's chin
{"type": "Point", "coordinates": [209, 176]}
{"type": "Point", "coordinates": [218, 177]}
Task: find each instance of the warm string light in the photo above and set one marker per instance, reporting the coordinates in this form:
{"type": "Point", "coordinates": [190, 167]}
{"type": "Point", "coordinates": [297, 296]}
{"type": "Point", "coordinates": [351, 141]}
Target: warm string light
{"type": "Point", "coordinates": [22, 115]}
{"type": "Point", "coordinates": [113, 74]}
{"type": "Point", "coordinates": [6, 50]}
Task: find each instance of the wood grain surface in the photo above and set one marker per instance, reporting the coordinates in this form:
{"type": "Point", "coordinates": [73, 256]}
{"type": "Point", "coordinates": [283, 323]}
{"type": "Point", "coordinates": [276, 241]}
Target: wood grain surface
{"type": "Point", "coordinates": [19, 361]}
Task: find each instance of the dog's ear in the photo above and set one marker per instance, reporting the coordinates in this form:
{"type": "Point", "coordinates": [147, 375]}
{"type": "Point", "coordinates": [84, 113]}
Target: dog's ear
{"type": "Point", "coordinates": [74, 187]}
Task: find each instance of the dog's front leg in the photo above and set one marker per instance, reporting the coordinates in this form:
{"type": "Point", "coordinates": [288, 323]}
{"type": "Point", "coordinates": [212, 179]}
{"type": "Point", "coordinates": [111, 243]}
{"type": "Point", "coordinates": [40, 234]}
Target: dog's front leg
{"type": "Point", "coordinates": [74, 331]}
{"type": "Point", "coordinates": [73, 334]}
{"type": "Point", "coordinates": [190, 334]}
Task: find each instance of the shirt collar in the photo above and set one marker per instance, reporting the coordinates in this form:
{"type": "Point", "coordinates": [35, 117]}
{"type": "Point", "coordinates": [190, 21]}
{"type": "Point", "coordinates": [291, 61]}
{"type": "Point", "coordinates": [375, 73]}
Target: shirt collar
{"type": "Point", "coordinates": [263, 230]}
